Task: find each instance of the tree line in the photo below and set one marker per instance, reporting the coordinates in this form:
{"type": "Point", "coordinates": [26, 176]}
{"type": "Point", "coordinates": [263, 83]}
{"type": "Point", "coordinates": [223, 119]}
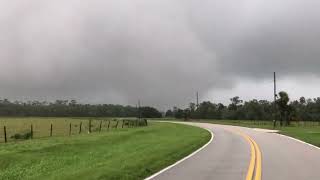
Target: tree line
{"type": "Point", "coordinates": [282, 110]}
{"type": "Point", "coordinates": [71, 108]}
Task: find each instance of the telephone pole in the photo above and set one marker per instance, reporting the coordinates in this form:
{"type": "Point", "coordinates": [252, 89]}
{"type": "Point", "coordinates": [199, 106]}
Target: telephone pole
{"type": "Point", "coordinates": [197, 99]}
{"type": "Point", "coordinates": [139, 110]}
{"type": "Point", "coordinates": [275, 99]}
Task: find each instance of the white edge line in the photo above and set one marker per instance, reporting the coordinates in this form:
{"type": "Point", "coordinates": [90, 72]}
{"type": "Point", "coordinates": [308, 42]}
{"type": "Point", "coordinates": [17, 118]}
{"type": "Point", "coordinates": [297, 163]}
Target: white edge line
{"type": "Point", "coordinates": [298, 140]}
{"type": "Point", "coordinates": [277, 133]}
{"type": "Point", "coordinates": [180, 161]}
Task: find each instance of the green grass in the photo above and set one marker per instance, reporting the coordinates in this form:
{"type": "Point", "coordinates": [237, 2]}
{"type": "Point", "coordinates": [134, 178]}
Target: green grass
{"type": "Point", "coordinates": [130, 153]}
{"type": "Point", "coordinates": [309, 132]}
{"type": "Point", "coordinates": [306, 131]}
{"type": "Point", "coordinates": [41, 126]}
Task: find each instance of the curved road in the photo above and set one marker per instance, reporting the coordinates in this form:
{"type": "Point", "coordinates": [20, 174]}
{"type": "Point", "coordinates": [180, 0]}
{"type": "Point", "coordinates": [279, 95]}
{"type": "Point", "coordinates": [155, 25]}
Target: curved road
{"type": "Point", "coordinates": [229, 155]}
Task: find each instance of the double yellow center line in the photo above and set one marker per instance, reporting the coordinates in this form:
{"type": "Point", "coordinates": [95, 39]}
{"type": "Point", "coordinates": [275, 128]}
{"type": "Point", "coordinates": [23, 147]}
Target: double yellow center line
{"type": "Point", "coordinates": [254, 170]}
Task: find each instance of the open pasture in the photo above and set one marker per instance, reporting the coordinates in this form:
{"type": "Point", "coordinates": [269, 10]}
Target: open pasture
{"type": "Point", "coordinates": [128, 153]}
{"type": "Point", "coordinates": [41, 127]}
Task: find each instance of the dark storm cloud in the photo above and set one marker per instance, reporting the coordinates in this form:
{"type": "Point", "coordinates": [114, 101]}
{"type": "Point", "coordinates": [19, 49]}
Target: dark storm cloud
{"type": "Point", "coordinates": [259, 37]}
{"type": "Point", "coordinates": [157, 51]}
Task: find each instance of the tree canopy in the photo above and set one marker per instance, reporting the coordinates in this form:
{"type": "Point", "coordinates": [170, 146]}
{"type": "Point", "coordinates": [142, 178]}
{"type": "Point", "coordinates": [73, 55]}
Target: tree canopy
{"type": "Point", "coordinates": [66, 108]}
{"type": "Point", "coordinates": [299, 110]}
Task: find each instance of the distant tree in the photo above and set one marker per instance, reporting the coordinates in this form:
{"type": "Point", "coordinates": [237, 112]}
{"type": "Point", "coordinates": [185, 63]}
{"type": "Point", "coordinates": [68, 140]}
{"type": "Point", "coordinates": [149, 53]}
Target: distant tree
{"type": "Point", "coordinates": [179, 113]}
{"type": "Point", "coordinates": [282, 103]}
{"type": "Point", "coordinates": [301, 109]}
{"type": "Point", "coordinates": [302, 100]}
{"type": "Point", "coordinates": [150, 112]}
{"type": "Point", "coordinates": [235, 101]}
{"type": "Point", "coordinates": [169, 113]}
{"type": "Point", "coordinates": [72, 102]}
{"type": "Point", "coordinates": [186, 114]}
{"type": "Point", "coordinates": [192, 107]}
{"type": "Point", "coordinates": [292, 114]}
{"type": "Point", "coordinates": [297, 110]}
{"type": "Point", "coordinates": [175, 110]}
{"type": "Point", "coordinates": [61, 108]}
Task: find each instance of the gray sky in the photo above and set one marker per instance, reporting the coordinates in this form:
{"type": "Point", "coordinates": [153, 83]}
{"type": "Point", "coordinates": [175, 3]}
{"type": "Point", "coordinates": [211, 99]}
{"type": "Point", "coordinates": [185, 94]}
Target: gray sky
{"type": "Point", "coordinates": [159, 51]}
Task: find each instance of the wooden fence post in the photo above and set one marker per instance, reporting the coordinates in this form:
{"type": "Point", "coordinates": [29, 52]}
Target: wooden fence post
{"type": "Point", "coordinates": [89, 126]}
{"type": "Point", "coordinates": [80, 128]}
{"type": "Point", "coordinates": [31, 131]}
{"type": "Point", "coordinates": [109, 125]}
{"type": "Point", "coordinates": [5, 134]}
{"type": "Point", "coordinates": [70, 129]}
{"type": "Point", "coordinates": [100, 126]}
{"type": "Point", "coordinates": [117, 124]}
{"type": "Point", "coordinates": [51, 130]}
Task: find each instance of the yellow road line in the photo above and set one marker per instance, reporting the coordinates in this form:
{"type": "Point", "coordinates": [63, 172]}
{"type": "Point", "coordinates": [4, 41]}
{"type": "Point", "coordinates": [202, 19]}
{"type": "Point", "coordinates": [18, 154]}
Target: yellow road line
{"type": "Point", "coordinates": [258, 162]}
{"type": "Point", "coordinates": [255, 167]}
{"type": "Point", "coordinates": [252, 160]}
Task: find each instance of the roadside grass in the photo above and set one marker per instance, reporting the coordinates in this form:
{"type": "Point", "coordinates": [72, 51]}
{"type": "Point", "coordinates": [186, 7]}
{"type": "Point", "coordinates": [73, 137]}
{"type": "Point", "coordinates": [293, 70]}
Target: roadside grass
{"type": "Point", "coordinates": [308, 132]}
{"type": "Point", "coordinates": [130, 153]}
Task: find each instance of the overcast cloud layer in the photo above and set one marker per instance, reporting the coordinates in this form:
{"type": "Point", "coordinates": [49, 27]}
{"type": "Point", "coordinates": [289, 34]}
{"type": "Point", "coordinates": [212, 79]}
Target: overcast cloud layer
{"type": "Point", "coordinates": [119, 51]}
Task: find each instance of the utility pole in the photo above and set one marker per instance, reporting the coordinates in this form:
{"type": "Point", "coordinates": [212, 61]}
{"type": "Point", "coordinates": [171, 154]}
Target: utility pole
{"type": "Point", "coordinates": [139, 111]}
{"type": "Point", "coordinates": [275, 99]}
{"type": "Point", "coordinates": [197, 99]}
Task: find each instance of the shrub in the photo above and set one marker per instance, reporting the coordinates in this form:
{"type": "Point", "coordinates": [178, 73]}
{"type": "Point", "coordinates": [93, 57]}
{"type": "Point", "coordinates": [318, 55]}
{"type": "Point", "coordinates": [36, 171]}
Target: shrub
{"type": "Point", "coordinates": [26, 135]}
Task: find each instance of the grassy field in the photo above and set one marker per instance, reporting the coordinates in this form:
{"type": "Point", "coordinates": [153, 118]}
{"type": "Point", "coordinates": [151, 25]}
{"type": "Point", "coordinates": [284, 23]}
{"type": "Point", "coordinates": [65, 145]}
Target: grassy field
{"type": "Point", "coordinates": [129, 153]}
{"type": "Point", "coordinates": [60, 126]}
{"type": "Point", "coordinates": [308, 132]}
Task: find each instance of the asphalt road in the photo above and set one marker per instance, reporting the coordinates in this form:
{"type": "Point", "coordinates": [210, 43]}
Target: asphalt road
{"type": "Point", "coordinates": [228, 157]}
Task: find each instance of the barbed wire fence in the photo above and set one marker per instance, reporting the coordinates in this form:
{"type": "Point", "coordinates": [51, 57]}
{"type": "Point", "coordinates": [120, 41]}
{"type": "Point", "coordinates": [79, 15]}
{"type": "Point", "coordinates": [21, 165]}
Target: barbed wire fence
{"type": "Point", "coordinates": [46, 129]}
